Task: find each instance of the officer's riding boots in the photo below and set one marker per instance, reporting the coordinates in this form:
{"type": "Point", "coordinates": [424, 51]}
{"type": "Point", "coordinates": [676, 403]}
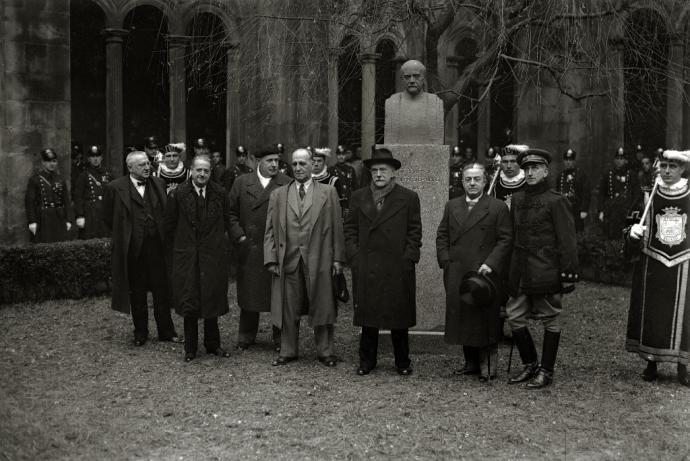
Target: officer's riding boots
{"type": "Point", "coordinates": [544, 375]}
{"type": "Point", "coordinates": [528, 354]}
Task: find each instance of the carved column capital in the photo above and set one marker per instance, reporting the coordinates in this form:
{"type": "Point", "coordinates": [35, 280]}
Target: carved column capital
{"type": "Point", "coordinates": [113, 35]}
{"type": "Point", "coordinates": [369, 58]}
{"type": "Point", "coordinates": [177, 41]}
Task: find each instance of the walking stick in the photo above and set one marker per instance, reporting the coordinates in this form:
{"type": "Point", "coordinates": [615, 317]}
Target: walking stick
{"type": "Point", "coordinates": [648, 205]}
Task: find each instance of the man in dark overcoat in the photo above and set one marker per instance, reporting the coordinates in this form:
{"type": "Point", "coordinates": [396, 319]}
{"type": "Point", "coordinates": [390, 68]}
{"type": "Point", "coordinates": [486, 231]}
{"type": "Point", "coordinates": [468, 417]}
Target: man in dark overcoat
{"type": "Point", "coordinates": [197, 217]}
{"type": "Point", "coordinates": [133, 208]}
{"type": "Point", "coordinates": [248, 210]}
{"type": "Point", "coordinates": [475, 234]}
{"type": "Point", "coordinates": [544, 259]}
{"type": "Point", "coordinates": [303, 249]}
{"type": "Point", "coordinates": [47, 202]}
{"type": "Point", "coordinates": [88, 196]}
{"type": "Point", "coordinates": [383, 236]}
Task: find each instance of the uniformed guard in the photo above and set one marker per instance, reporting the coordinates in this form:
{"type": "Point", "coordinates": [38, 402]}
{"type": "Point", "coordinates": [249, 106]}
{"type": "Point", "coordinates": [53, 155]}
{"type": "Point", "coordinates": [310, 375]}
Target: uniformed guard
{"type": "Point", "coordinates": [635, 163]}
{"type": "Point", "coordinates": [172, 170]}
{"type": "Point", "coordinates": [544, 259]}
{"type": "Point", "coordinates": [219, 174]}
{"type": "Point", "coordinates": [574, 185]}
{"type": "Point", "coordinates": [512, 178]}
{"type": "Point", "coordinates": [326, 175]}
{"type": "Point", "coordinates": [152, 151]}
{"type": "Point", "coordinates": [240, 167]}
{"type": "Point", "coordinates": [455, 188]}
{"type": "Point", "coordinates": [200, 147]}
{"type": "Point", "coordinates": [346, 176]}
{"type": "Point", "coordinates": [88, 196]}
{"type": "Point", "coordinates": [490, 161]}
{"type": "Point", "coordinates": [47, 201]}
{"type": "Point", "coordinates": [283, 166]}
{"type": "Point", "coordinates": [79, 163]}
{"type": "Point", "coordinates": [647, 174]}
{"type": "Point", "coordinates": [618, 192]}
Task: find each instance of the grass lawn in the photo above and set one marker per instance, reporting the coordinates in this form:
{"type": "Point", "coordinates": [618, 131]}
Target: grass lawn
{"type": "Point", "coordinates": [72, 386]}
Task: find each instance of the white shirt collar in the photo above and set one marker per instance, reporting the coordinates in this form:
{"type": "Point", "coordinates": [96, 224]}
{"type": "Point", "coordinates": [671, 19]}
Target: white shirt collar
{"type": "Point", "coordinates": [473, 200]}
{"type": "Point", "coordinates": [136, 181]}
{"type": "Point", "coordinates": [262, 179]}
{"type": "Point", "coordinates": [197, 188]}
{"type": "Point", "coordinates": [307, 184]}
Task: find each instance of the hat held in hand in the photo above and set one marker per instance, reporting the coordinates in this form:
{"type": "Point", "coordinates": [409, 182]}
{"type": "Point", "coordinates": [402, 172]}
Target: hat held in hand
{"type": "Point", "coordinates": [478, 290]}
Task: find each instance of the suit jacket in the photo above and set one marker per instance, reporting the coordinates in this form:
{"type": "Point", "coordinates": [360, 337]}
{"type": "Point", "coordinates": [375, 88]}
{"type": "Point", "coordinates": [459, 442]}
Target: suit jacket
{"type": "Point", "coordinates": [383, 248]}
{"type": "Point", "coordinates": [118, 212]}
{"type": "Point", "coordinates": [465, 240]}
{"type": "Point", "coordinates": [325, 244]}
{"type": "Point", "coordinates": [248, 211]}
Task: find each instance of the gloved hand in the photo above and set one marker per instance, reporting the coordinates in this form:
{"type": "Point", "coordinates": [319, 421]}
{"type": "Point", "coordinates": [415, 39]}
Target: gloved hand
{"type": "Point", "coordinates": [33, 227]}
{"type": "Point", "coordinates": [80, 222]}
{"type": "Point", "coordinates": [637, 231]}
{"type": "Point", "coordinates": [601, 216]}
{"type": "Point", "coordinates": [484, 269]}
{"type": "Point", "coordinates": [68, 226]}
{"type": "Point", "coordinates": [583, 214]}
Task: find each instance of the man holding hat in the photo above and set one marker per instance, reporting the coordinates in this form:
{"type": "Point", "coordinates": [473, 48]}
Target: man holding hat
{"type": "Point", "coordinates": [659, 316]}
{"type": "Point", "coordinates": [240, 167]}
{"type": "Point", "coordinates": [618, 192]}
{"type": "Point", "coordinates": [474, 238]}
{"type": "Point", "coordinates": [47, 202]}
{"type": "Point", "coordinates": [544, 258]}
{"type": "Point", "coordinates": [172, 170]}
{"type": "Point", "coordinates": [574, 185]}
{"type": "Point", "coordinates": [511, 179]}
{"type": "Point", "coordinates": [383, 235]}
{"type": "Point", "coordinates": [248, 210]}
{"type": "Point", "coordinates": [88, 196]}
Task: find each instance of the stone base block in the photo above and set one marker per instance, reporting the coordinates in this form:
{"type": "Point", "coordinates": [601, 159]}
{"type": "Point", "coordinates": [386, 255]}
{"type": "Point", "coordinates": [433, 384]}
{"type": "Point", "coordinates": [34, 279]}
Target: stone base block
{"type": "Point", "coordinates": [425, 171]}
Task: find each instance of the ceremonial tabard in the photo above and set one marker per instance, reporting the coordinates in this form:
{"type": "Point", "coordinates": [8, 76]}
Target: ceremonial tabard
{"type": "Point", "coordinates": [659, 316]}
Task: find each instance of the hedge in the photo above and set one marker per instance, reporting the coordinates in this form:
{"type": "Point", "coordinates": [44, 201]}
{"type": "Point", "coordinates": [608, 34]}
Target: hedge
{"type": "Point", "coordinates": [602, 260]}
{"type": "Point", "coordinates": [74, 269]}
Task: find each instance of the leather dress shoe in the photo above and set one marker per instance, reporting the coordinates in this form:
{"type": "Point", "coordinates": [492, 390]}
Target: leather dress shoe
{"type": "Point", "coordinates": [329, 361]}
{"type": "Point", "coordinates": [243, 346]}
{"type": "Point", "coordinates": [650, 373]}
{"type": "Point", "coordinates": [173, 339]}
{"type": "Point", "coordinates": [362, 371]}
{"type": "Point", "coordinates": [484, 378]}
{"type": "Point", "coordinates": [405, 371]}
{"type": "Point", "coordinates": [542, 379]}
{"type": "Point", "coordinates": [139, 342]}
{"type": "Point", "coordinates": [283, 361]}
{"type": "Point", "coordinates": [467, 370]}
{"type": "Point", "coordinates": [525, 375]}
{"type": "Point", "coordinates": [220, 352]}
{"type": "Point", "coordinates": [189, 356]}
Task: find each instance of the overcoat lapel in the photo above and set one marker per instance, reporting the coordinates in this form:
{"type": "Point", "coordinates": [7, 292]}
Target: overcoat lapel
{"type": "Point", "coordinates": [292, 200]}
{"type": "Point", "coordinates": [474, 216]}
{"type": "Point", "coordinates": [368, 208]}
{"type": "Point", "coordinates": [391, 205]}
{"type": "Point", "coordinates": [318, 198]}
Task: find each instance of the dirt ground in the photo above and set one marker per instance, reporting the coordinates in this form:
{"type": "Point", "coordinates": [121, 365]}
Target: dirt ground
{"type": "Point", "coordinates": [72, 386]}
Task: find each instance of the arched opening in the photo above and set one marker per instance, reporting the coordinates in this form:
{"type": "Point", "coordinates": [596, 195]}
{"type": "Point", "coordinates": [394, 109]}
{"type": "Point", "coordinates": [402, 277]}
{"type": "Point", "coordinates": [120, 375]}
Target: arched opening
{"type": "Point", "coordinates": [502, 109]}
{"type": "Point", "coordinates": [206, 77]}
{"type": "Point", "coordinates": [466, 51]}
{"type": "Point", "coordinates": [385, 83]}
{"type": "Point", "coordinates": [645, 60]}
{"type": "Point", "coordinates": [350, 93]}
{"type": "Point", "coordinates": [87, 73]}
{"type": "Point", "coordinates": [146, 104]}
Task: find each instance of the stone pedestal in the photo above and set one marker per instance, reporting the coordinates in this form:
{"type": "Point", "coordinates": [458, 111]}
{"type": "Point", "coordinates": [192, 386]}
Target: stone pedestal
{"type": "Point", "coordinates": [425, 171]}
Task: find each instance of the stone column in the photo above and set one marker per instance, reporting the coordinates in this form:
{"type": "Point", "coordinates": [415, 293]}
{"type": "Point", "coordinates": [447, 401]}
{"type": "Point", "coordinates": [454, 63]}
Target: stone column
{"type": "Point", "coordinates": [114, 131]}
{"type": "Point", "coordinates": [177, 48]}
{"type": "Point", "coordinates": [333, 97]}
{"type": "Point", "coordinates": [674, 94]}
{"type": "Point", "coordinates": [232, 102]}
{"type": "Point", "coordinates": [368, 102]}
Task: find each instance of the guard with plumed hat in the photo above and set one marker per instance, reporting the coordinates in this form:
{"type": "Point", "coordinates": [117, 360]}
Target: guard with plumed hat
{"type": "Point", "coordinates": [574, 185]}
{"type": "Point", "coordinates": [543, 266]}
{"type": "Point", "coordinates": [47, 202]}
{"type": "Point", "coordinates": [88, 196]}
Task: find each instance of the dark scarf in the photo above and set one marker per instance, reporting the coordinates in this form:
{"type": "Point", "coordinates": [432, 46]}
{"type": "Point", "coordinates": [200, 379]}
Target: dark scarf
{"type": "Point", "coordinates": [380, 194]}
{"type": "Point", "coordinates": [537, 188]}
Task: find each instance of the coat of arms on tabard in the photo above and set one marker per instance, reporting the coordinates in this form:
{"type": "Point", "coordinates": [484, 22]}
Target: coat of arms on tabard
{"type": "Point", "coordinates": [671, 226]}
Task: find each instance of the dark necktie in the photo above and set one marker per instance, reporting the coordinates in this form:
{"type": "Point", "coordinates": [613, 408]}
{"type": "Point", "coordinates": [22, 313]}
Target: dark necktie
{"type": "Point", "coordinates": [141, 184]}
{"type": "Point", "coordinates": [302, 193]}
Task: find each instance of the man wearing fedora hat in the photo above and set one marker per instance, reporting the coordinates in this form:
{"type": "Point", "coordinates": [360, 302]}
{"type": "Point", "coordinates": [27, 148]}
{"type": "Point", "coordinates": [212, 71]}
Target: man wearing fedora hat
{"type": "Point", "coordinates": [383, 235]}
{"type": "Point", "coordinates": [544, 258]}
{"type": "Point", "coordinates": [473, 244]}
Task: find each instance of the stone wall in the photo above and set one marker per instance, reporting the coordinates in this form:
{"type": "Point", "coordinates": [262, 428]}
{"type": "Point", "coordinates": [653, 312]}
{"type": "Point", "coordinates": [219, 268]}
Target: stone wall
{"type": "Point", "coordinates": [34, 100]}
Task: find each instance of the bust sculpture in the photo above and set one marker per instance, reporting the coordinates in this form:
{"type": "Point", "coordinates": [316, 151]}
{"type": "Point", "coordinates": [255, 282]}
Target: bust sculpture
{"type": "Point", "coordinates": [413, 116]}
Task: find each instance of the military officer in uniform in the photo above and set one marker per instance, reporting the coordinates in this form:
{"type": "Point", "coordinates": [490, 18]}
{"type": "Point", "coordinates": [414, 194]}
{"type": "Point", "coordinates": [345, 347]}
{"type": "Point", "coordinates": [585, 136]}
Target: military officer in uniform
{"type": "Point", "coordinates": [240, 167]}
{"type": "Point", "coordinates": [618, 192]}
{"type": "Point", "coordinates": [544, 258]}
{"type": "Point", "coordinates": [88, 197]}
{"type": "Point", "coordinates": [347, 177]}
{"type": "Point", "coordinates": [151, 148]}
{"type": "Point", "coordinates": [47, 201]}
{"type": "Point", "coordinates": [283, 166]}
{"type": "Point", "coordinates": [172, 169]}
{"type": "Point", "coordinates": [512, 178]}
{"type": "Point", "coordinates": [455, 188]}
{"type": "Point", "coordinates": [574, 185]}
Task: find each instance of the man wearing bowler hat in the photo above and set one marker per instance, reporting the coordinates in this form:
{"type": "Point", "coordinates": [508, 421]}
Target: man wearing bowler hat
{"type": "Point", "coordinates": [474, 238]}
{"type": "Point", "coordinates": [544, 259]}
{"type": "Point", "coordinates": [383, 235]}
